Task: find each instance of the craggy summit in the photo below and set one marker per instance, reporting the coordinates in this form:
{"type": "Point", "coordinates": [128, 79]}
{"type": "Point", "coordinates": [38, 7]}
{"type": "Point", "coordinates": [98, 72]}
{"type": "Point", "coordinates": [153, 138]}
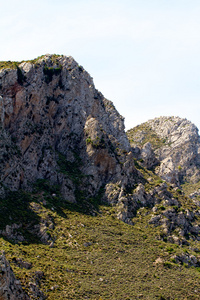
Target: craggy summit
{"type": "Point", "coordinates": [176, 146]}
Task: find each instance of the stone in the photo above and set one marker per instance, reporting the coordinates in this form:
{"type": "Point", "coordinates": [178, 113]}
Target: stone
{"type": "Point", "coordinates": [174, 240]}
{"type": "Point", "coordinates": [190, 260]}
{"type": "Point", "coordinates": [195, 194]}
{"type": "Point", "coordinates": [22, 264]}
{"type": "Point", "coordinates": [10, 287]}
{"type": "Point", "coordinates": [11, 233]}
{"type": "Point", "coordinates": [87, 244]}
{"type": "Point", "coordinates": [155, 219]}
{"type": "Point", "coordinates": [35, 292]}
{"type": "Point", "coordinates": [158, 261]}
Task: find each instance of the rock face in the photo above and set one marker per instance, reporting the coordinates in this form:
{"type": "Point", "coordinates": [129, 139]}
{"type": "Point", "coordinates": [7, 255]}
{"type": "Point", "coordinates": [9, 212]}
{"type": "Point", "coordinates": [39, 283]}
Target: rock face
{"type": "Point", "coordinates": [10, 287]}
{"type": "Point", "coordinates": [176, 145]}
{"type": "Point", "coordinates": [148, 156]}
{"type": "Point", "coordinates": [11, 232]}
{"type": "Point", "coordinates": [55, 125]}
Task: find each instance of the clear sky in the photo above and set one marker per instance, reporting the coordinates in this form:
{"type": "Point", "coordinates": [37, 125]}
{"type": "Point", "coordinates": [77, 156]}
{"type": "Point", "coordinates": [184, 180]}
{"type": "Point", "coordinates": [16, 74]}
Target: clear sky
{"type": "Point", "coordinates": [144, 55]}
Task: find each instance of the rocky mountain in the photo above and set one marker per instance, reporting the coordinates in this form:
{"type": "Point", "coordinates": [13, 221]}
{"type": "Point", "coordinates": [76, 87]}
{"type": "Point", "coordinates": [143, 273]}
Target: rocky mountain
{"type": "Point", "coordinates": [65, 158]}
{"type": "Point", "coordinates": [170, 143]}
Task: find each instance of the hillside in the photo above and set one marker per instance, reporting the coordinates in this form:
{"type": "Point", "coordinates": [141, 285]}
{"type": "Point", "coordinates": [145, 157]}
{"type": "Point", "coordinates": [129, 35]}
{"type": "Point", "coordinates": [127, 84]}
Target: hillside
{"type": "Point", "coordinates": [84, 213]}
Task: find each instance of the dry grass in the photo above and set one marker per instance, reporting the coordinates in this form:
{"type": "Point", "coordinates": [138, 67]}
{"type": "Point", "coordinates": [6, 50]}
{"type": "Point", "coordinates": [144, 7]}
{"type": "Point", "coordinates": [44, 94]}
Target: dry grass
{"type": "Point", "coordinates": [103, 258]}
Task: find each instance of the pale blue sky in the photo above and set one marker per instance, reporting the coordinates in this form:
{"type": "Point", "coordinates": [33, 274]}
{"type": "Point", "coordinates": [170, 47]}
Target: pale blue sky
{"type": "Point", "coordinates": [143, 55]}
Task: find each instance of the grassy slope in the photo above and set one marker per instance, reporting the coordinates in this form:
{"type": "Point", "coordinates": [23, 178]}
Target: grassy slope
{"type": "Point", "coordinates": [119, 264]}
{"type": "Point", "coordinates": [189, 188]}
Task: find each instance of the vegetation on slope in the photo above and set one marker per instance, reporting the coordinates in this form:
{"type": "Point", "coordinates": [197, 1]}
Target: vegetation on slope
{"type": "Point", "coordinates": [14, 64]}
{"type": "Point", "coordinates": [98, 257]}
{"type": "Point", "coordinates": [142, 134]}
{"type": "Point", "coordinates": [102, 258]}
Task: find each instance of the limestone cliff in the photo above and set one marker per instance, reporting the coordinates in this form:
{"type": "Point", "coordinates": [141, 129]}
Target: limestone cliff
{"type": "Point", "coordinates": [55, 125]}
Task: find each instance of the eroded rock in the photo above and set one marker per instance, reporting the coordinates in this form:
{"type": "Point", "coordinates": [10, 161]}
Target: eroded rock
{"type": "Point", "coordinates": [10, 287]}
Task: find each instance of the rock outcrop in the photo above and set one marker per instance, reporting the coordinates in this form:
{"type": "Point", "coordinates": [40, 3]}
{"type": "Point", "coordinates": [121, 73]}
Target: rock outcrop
{"type": "Point", "coordinates": [176, 144]}
{"type": "Point", "coordinates": [10, 287]}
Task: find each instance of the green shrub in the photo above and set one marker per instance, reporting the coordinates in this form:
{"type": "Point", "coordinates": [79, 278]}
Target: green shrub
{"type": "Point", "coordinates": [158, 182]}
{"type": "Point", "coordinates": [179, 191]}
{"type": "Point", "coordinates": [168, 264]}
{"type": "Point", "coordinates": [176, 208]}
{"type": "Point", "coordinates": [162, 207]}
{"type": "Point", "coordinates": [96, 143]}
{"type": "Point", "coordinates": [89, 140]}
{"type": "Point", "coordinates": [169, 249]}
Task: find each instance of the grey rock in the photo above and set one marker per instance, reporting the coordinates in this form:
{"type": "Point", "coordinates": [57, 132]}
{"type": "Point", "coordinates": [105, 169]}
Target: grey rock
{"type": "Point", "coordinates": [10, 287]}
{"type": "Point", "coordinates": [11, 232]}
{"type": "Point", "coordinates": [35, 292]}
{"type": "Point", "coordinates": [147, 156]}
{"type": "Point", "coordinates": [190, 260]}
{"type": "Point", "coordinates": [87, 244]}
{"type": "Point", "coordinates": [155, 219]}
{"type": "Point", "coordinates": [195, 194]}
{"type": "Point", "coordinates": [22, 264]}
